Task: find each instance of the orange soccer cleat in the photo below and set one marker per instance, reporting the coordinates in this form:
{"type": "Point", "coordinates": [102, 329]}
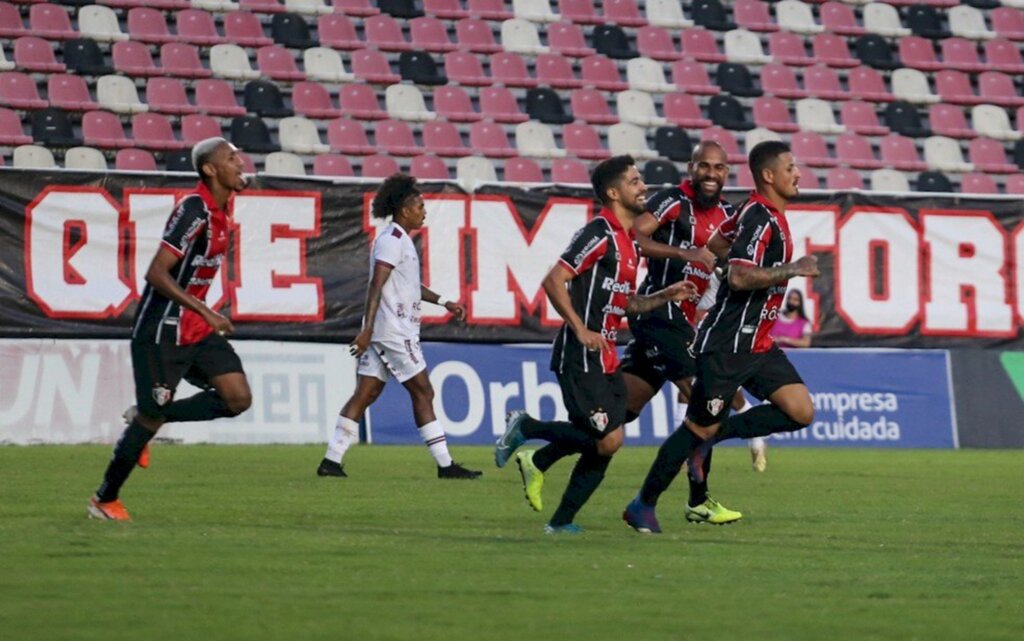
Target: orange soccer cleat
{"type": "Point", "coordinates": [144, 457]}
{"type": "Point", "coordinates": [109, 511]}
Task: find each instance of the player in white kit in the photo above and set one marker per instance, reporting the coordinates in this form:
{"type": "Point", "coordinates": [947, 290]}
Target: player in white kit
{"type": "Point", "coordinates": [389, 343]}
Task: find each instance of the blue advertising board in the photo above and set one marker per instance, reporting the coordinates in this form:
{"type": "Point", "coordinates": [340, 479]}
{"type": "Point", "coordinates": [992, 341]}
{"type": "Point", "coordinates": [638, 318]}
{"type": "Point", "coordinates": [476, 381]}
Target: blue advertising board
{"type": "Point", "coordinates": [862, 398]}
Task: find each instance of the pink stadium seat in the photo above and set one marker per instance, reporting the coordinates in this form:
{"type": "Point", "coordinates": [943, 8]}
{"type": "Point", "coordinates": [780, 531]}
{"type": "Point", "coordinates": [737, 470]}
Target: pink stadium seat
{"type": "Point", "coordinates": [860, 117]}
{"type": "Point", "coordinates": [900, 152]}
{"type": "Point", "coordinates": [727, 140]}
{"type": "Point", "coordinates": [248, 166]}
{"type": "Point", "coordinates": [808, 177]}
{"type": "Point", "coordinates": [788, 48]}
{"type": "Point", "coordinates": [682, 109]}
{"type": "Point", "coordinates": [453, 104]}
{"type": "Point", "coordinates": [962, 54]}
{"type": "Point", "coordinates": [442, 138]}
{"type": "Point", "coordinates": [262, 6]}
{"type": "Point", "coordinates": [567, 39]}
{"type": "Point", "coordinates": [35, 54]}
{"type": "Point", "coordinates": [133, 59]}
{"type": "Point", "coordinates": [11, 25]}
{"type": "Point", "coordinates": [134, 160]}
{"type": "Point", "coordinates": [854, 150]}
{"type": "Point", "coordinates": [196, 127]}
{"type": "Point", "coordinates": [50, 21]}
{"type": "Point", "coordinates": [348, 137]}
{"type": "Point", "coordinates": [601, 72]}
{"type": "Point", "coordinates": [843, 179]}
{"type": "Point", "coordinates": [11, 133]}
{"type": "Point", "coordinates": [1003, 55]}
{"type": "Point", "coordinates": [918, 53]}
{"type": "Point", "coordinates": [579, 11]}
{"type": "Point", "coordinates": [153, 131]}
{"type": "Point", "coordinates": [977, 183]}
{"type": "Point", "coordinates": [489, 138]}
{"type": "Point", "coordinates": [867, 84]}
{"type": "Point", "coordinates": [569, 171]}
{"type": "Point", "coordinates": [444, 9]}
{"type": "Point", "coordinates": [360, 102]}
{"type": "Point", "coordinates": [997, 88]}
{"type": "Point", "coordinates": [1015, 184]}
{"type": "Point", "coordinates": [1008, 22]}
{"type": "Point", "coordinates": [311, 99]}
{"type": "Point", "coordinates": [337, 31]}
{"type": "Point", "coordinates": [810, 148]}
{"type": "Point", "coordinates": [146, 24]}
{"type": "Point", "coordinates": [371, 66]}
{"type": "Point", "coordinates": [743, 178]}
{"type": "Point", "coordinates": [699, 44]}
{"type": "Point", "coordinates": [245, 30]}
{"type": "Point", "coordinates": [276, 62]}
{"type": "Point", "coordinates": [590, 105]}
{"type": "Point", "coordinates": [217, 97]}
{"type": "Point", "coordinates": [582, 141]}
{"type": "Point", "coordinates": [656, 43]}
{"type": "Point", "coordinates": [355, 7]}
{"type": "Point", "coordinates": [839, 18]}
{"type": "Point", "coordinates": [754, 16]}
{"type": "Point", "coordinates": [164, 5]}
{"type": "Point", "coordinates": [475, 35]}
{"type": "Point", "coordinates": [489, 9]}
{"type": "Point", "coordinates": [500, 105]}
{"type": "Point", "coordinates": [328, 165]}
{"type": "Point", "coordinates": [383, 32]}
{"type": "Point", "coordinates": [990, 155]}
{"type": "Point", "coordinates": [955, 87]}
{"type": "Point", "coordinates": [197, 27]}
{"type": "Point", "coordinates": [182, 60]}
{"type": "Point", "coordinates": [692, 77]}
{"type": "Point", "coordinates": [510, 70]}
{"type": "Point", "coordinates": [624, 13]}
{"type": "Point", "coordinates": [395, 137]}
{"type": "Point", "coordinates": [773, 113]}
{"type": "Point", "coordinates": [18, 90]}
{"type": "Point", "coordinates": [523, 170]}
{"type": "Point", "coordinates": [167, 95]}
{"type": "Point", "coordinates": [465, 69]}
{"type": "Point", "coordinates": [823, 82]}
{"type": "Point", "coordinates": [950, 121]}
{"type": "Point", "coordinates": [429, 168]}
{"type": "Point", "coordinates": [779, 80]}
{"type": "Point", "coordinates": [430, 34]}
{"type": "Point", "coordinates": [379, 166]}
{"type": "Point", "coordinates": [556, 71]}
{"type": "Point", "coordinates": [833, 51]}
{"type": "Point", "coordinates": [69, 92]}
{"type": "Point", "coordinates": [103, 129]}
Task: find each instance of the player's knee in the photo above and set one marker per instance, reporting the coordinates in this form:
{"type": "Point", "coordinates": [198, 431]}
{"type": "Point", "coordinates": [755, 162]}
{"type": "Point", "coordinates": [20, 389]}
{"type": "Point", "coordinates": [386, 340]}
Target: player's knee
{"type": "Point", "coordinates": [610, 444]}
{"type": "Point", "coordinates": [239, 402]}
{"type": "Point", "coordinates": [803, 414]}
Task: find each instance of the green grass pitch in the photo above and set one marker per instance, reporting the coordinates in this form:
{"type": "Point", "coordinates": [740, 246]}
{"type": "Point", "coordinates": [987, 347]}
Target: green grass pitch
{"type": "Point", "coordinates": [246, 543]}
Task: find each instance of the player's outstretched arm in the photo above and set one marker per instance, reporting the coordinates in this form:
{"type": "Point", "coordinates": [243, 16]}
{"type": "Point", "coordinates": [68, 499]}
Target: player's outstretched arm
{"type": "Point", "coordinates": [381, 273]}
{"type": "Point", "coordinates": [455, 308]}
{"type": "Point", "coordinates": [718, 245]}
{"type": "Point", "coordinates": [682, 290]}
{"type": "Point", "coordinates": [746, 276]}
{"type": "Point", "coordinates": [653, 249]}
{"type": "Point", "coordinates": [159, 276]}
{"type": "Point", "coordinates": [555, 287]}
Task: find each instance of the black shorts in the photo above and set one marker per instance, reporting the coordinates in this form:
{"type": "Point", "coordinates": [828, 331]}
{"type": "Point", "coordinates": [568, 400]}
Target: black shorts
{"type": "Point", "coordinates": [596, 401]}
{"type": "Point", "coordinates": [159, 367]}
{"type": "Point", "coordinates": [659, 351]}
{"type": "Point", "coordinates": [720, 374]}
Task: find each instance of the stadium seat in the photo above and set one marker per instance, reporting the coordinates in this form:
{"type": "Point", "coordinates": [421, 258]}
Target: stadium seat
{"type": "Point", "coordinates": [355, 7]}
{"type": "Point", "coordinates": [899, 152]}
{"type": "Point", "coordinates": [873, 50]}
{"type": "Point", "coordinates": [788, 48]}
{"type": "Point", "coordinates": [251, 134]}
{"type": "Point", "coordinates": [644, 74]}
{"type": "Point", "coordinates": [823, 82]}
{"type": "Point", "coordinates": [118, 94]}
{"type": "Point", "coordinates": [832, 50]}
{"type": "Point", "coordinates": [889, 180]}
{"type": "Point", "coordinates": [813, 114]}
{"type": "Point", "coordinates": [610, 40]}
{"type": "Point", "coordinates": [35, 54]}
{"type": "Point", "coordinates": [371, 66]}
{"type": "Point", "coordinates": [601, 72]}
{"type": "Point", "coordinates": [853, 150]}
{"type": "Point", "coordinates": [955, 87]}
{"type": "Point", "coordinates": [299, 135]}
{"type": "Point", "coordinates": [838, 18]}
{"type": "Point", "coordinates": [810, 148]}
{"type": "Point", "coordinates": [348, 137]}
{"type": "Point", "coordinates": [883, 20]}
{"type": "Point", "coordinates": [453, 104]}
{"type": "Point", "coordinates": [735, 78]}
{"type": "Point", "coordinates": [406, 9]}
{"type": "Point", "coordinates": [245, 29]}
{"type": "Point", "coordinates": [776, 80]}
{"type": "Point", "coordinates": [843, 179]}
{"type": "Point", "coordinates": [523, 170]}
{"type": "Point", "coordinates": [934, 181]}
{"type": "Point", "coordinates": [583, 141]}
{"type": "Point", "coordinates": [405, 102]}
{"type": "Point", "coordinates": [167, 95]}
{"type": "Point", "coordinates": [555, 70]}
{"type": "Point", "coordinates": [866, 83]}
{"type": "Point", "coordinates": [308, 7]}
{"type": "Point", "coordinates": [711, 14]}
{"type": "Point", "coordinates": [277, 63]}
{"type": "Point", "coordinates": [99, 23]}
{"type": "Point", "coordinates": [229, 61]}
{"type": "Point", "coordinates": [442, 138]}
{"type": "Point", "coordinates": [700, 44]}
{"type": "Point", "coordinates": [624, 138]}
{"type": "Point", "coordinates": [134, 160]}
{"type": "Point", "coordinates": [379, 166]}
{"type": "Point", "coordinates": [536, 140]}
{"type": "Point", "coordinates": [427, 33]}
{"type": "Point", "coordinates": [69, 92]}
{"type": "Point", "coordinates": [33, 157]}
{"type": "Point", "coordinates": [1015, 184]}
{"type": "Point", "coordinates": [179, 161]}
{"type": "Point", "coordinates": [332, 165]}
{"type": "Point", "coordinates": [290, 30]}
{"type": "Point", "coordinates": [103, 129]}
{"type": "Point", "coordinates": [773, 113]}
{"type": "Point", "coordinates": [682, 109]}
{"type": "Point", "coordinates": [325, 64]}
{"type": "Point", "coordinates": [197, 27]}
{"type": "Point", "coordinates": [978, 183]}
{"type": "Point", "coordinates": [181, 60]}
{"type": "Point", "coordinates": [661, 172]}
{"type": "Point", "coordinates": [753, 15]}
{"type": "Point", "coordinates": [50, 21]}
{"type": "Point", "coordinates": [396, 138]}
{"type": "Point", "coordinates": [912, 86]}
{"type": "Point", "coordinates": [742, 177]}
{"type": "Point", "coordinates": [744, 47]}
{"type": "Point", "coordinates": [337, 32]}
{"type": "Point", "coordinates": [808, 178]}
{"type": "Point", "coordinates": [692, 77]}
{"type": "Point", "coordinates": [656, 43]}
{"type": "Point", "coordinates": [475, 36]}
{"type": "Point", "coordinates": [196, 127]}
{"type": "Point", "coordinates": [998, 88]}
{"type": "Point", "coordinates": [671, 142]}
{"type": "Point", "coordinates": [796, 16]}
{"type": "Point", "coordinates": [534, 11]}
{"type": "Point", "coordinates": [861, 118]}
{"type": "Point", "coordinates": [146, 24]}
{"type": "Point", "coordinates": [500, 105]}
{"type": "Point", "coordinates": [521, 36]}
{"type": "Point", "coordinates": [472, 171]}
{"type": "Point", "coordinates": [918, 53]}
{"type": "Point", "coordinates": [579, 12]}
{"type": "Point", "coordinates": [567, 39]}
{"type": "Point", "coordinates": [904, 119]}
{"type": "Point", "coordinates": [11, 25]}
{"type": "Point", "coordinates": [624, 13]}
{"type": "Point", "coordinates": [465, 69]}
{"type": "Point", "coordinates": [949, 120]}
{"type": "Point", "coordinates": [926, 21]}
{"type": "Point", "coordinates": [445, 9]}
{"type": "Point", "coordinates": [638, 108]}
{"type": "Point", "coordinates": [590, 106]}
{"type": "Point", "coordinates": [312, 100]}
{"type": "Point", "coordinates": [261, 6]}
{"type": "Point", "coordinates": [153, 131]}
{"type": "Point", "coordinates": [133, 59]}
{"type": "Point", "coordinates": [265, 99]}
{"type": "Point", "coordinates": [990, 156]}
{"type": "Point", "coordinates": [993, 122]}
{"type": "Point", "coordinates": [967, 22]}
{"type": "Point", "coordinates": [759, 135]}
{"type": "Point", "coordinates": [569, 171]}
{"type": "Point", "coordinates": [545, 105]}
{"type": "Point", "coordinates": [427, 167]}
{"type": "Point", "coordinates": [384, 33]}
{"type": "Point", "coordinates": [726, 111]}
{"type": "Point", "coordinates": [18, 90]}
{"type": "Point", "coordinates": [961, 54]}
{"type": "Point", "coordinates": [11, 133]}
{"type": "Point", "coordinates": [666, 13]}
{"type": "Point", "coordinates": [217, 97]}
{"type": "Point", "coordinates": [420, 68]}
{"type": "Point", "coordinates": [1008, 22]}
{"type": "Point", "coordinates": [1003, 55]}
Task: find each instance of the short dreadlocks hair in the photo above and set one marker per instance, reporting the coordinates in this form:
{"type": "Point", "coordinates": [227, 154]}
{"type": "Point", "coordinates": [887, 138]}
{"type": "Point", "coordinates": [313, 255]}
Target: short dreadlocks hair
{"type": "Point", "coordinates": [392, 195]}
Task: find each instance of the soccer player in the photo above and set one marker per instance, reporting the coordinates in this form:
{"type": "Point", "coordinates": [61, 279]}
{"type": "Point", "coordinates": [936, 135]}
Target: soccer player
{"type": "Point", "coordinates": [592, 287]}
{"type": "Point", "coordinates": [733, 345]}
{"type": "Point", "coordinates": [389, 343]}
{"type": "Point", "coordinates": [176, 334]}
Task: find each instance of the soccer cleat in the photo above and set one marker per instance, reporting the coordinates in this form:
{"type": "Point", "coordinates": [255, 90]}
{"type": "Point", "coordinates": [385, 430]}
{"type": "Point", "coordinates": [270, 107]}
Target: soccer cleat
{"type": "Point", "coordinates": [144, 457]}
{"type": "Point", "coordinates": [758, 459]}
{"type": "Point", "coordinates": [713, 512]}
{"type": "Point", "coordinates": [109, 511]}
{"type": "Point", "coordinates": [456, 471]}
{"type": "Point", "coordinates": [330, 468]}
{"type": "Point", "coordinates": [641, 517]}
{"type": "Point", "coordinates": [568, 528]}
{"type": "Point", "coordinates": [513, 437]}
{"type": "Point", "coordinates": [533, 480]}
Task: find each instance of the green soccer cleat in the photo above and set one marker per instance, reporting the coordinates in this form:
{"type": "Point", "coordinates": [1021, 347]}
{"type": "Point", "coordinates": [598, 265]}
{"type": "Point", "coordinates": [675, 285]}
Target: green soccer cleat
{"type": "Point", "coordinates": [533, 479]}
{"type": "Point", "coordinates": [713, 512]}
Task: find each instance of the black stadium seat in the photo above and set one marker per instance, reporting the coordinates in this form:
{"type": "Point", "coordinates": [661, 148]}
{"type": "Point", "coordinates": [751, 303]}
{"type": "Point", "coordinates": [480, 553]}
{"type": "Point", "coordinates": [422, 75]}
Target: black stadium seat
{"type": "Point", "coordinates": [400, 8]}
{"type": "Point", "coordinates": [290, 30]}
{"type": "Point", "coordinates": [874, 51]}
{"type": "Point", "coordinates": [545, 105]}
{"type": "Point", "coordinates": [420, 67]}
{"type": "Point", "coordinates": [1018, 154]}
{"type": "Point", "coordinates": [661, 172]}
{"type": "Point", "coordinates": [727, 112]}
{"type": "Point", "coordinates": [736, 79]}
{"type": "Point", "coordinates": [934, 181]}
{"type": "Point", "coordinates": [711, 14]}
{"type": "Point", "coordinates": [179, 161]}
{"type": "Point", "coordinates": [926, 21]}
{"type": "Point", "coordinates": [673, 143]}
{"type": "Point", "coordinates": [83, 56]}
{"type": "Point", "coordinates": [52, 127]}
{"type": "Point", "coordinates": [903, 118]}
{"type": "Point", "coordinates": [264, 98]}
{"type": "Point", "coordinates": [613, 42]}
{"type": "Point", "coordinates": [251, 134]}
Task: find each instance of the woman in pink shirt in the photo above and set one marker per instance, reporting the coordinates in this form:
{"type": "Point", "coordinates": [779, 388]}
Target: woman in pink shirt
{"type": "Point", "coordinates": [792, 329]}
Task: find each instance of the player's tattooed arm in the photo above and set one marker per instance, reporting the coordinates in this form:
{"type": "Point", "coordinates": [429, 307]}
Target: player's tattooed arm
{"type": "Point", "coordinates": [679, 291]}
{"type": "Point", "coordinates": [381, 273]}
{"type": "Point", "coordinates": [653, 249]}
{"type": "Point", "coordinates": [744, 276]}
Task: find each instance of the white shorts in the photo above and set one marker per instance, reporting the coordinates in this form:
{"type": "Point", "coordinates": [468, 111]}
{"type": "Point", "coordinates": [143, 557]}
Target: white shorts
{"type": "Point", "coordinates": [401, 359]}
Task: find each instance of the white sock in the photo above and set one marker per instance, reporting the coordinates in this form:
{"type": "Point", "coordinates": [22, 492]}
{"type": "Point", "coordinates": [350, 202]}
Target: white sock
{"type": "Point", "coordinates": [757, 443]}
{"type": "Point", "coordinates": [346, 434]}
{"type": "Point", "coordinates": [746, 406]}
{"type": "Point", "coordinates": [433, 435]}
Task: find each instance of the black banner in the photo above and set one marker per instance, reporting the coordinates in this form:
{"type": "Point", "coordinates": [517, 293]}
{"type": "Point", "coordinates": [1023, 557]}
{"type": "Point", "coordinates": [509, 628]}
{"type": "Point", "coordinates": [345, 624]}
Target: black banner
{"type": "Point", "coordinates": [897, 271]}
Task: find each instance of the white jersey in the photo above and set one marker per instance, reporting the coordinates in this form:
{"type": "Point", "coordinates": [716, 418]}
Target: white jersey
{"type": "Point", "coordinates": [398, 316]}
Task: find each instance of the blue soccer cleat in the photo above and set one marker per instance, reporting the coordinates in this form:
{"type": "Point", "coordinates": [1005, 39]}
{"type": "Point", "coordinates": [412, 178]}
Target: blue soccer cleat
{"type": "Point", "coordinates": [568, 528]}
{"type": "Point", "coordinates": [641, 517]}
{"type": "Point", "coordinates": [513, 437]}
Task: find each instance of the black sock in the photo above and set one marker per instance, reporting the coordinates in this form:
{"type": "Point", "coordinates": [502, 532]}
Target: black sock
{"type": "Point", "coordinates": [699, 489]}
{"type": "Point", "coordinates": [758, 421]}
{"type": "Point", "coordinates": [671, 454]}
{"type": "Point", "coordinates": [586, 476]}
{"type": "Point", "coordinates": [204, 406]}
{"type": "Point", "coordinates": [569, 437]}
{"type": "Point", "coordinates": [550, 454]}
{"type": "Point", "coordinates": [126, 455]}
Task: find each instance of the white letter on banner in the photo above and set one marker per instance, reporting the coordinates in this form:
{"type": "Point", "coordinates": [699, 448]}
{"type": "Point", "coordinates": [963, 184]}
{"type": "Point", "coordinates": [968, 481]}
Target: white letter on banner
{"type": "Point", "coordinates": [475, 404]}
{"type": "Point", "coordinates": [57, 381]}
{"type": "Point", "coordinates": [864, 310]}
{"type": "Point", "coordinates": [813, 230]}
{"type": "Point", "coordinates": [968, 292]}
{"type": "Point", "coordinates": [272, 283]}
{"type": "Point", "coordinates": [511, 263]}
{"type": "Point", "coordinates": [534, 392]}
{"type": "Point", "coordinates": [442, 250]}
{"type": "Point", "coordinates": [83, 280]}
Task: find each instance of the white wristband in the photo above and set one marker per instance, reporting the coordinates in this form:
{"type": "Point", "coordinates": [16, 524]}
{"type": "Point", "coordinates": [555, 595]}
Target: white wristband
{"type": "Point", "coordinates": [442, 301]}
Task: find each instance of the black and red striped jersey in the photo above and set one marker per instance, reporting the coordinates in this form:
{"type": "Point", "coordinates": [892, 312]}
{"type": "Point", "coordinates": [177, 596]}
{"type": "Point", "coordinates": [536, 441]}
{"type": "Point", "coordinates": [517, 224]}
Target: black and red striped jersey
{"type": "Point", "coordinates": [603, 257]}
{"type": "Point", "coordinates": [740, 321]}
{"type": "Point", "coordinates": [681, 223]}
{"type": "Point", "coordinates": [197, 233]}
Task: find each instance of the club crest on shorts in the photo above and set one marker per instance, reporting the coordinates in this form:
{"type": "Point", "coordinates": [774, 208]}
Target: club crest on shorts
{"type": "Point", "coordinates": [716, 405]}
{"type": "Point", "coordinates": [162, 395]}
{"type": "Point", "coordinates": [599, 420]}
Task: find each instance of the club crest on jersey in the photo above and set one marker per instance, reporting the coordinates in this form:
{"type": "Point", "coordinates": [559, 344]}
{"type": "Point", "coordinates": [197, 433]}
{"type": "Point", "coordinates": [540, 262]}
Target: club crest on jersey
{"type": "Point", "coordinates": [162, 395]}
{"type": "Point", "coordinates": [716, 405]}
{"type": "Point", "coordinates": [599, 420]}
